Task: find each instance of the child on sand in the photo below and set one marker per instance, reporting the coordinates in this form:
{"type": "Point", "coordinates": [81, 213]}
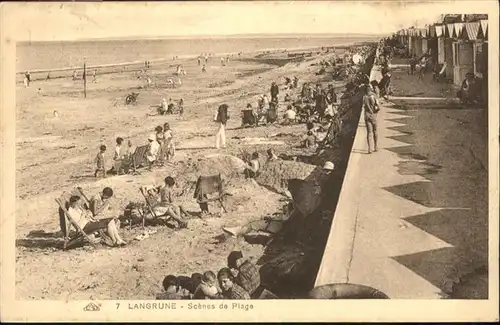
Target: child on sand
{"type": "Point", "coordinates": [171, 287]}
{"type": "Point", "coordinates": [231, 290]}
{"type": "Point", "coordinates": [160, 138]}
{"type": "Point", "coordinates": [119, 156]}
{"type": "Point", "coordinates": [99, 161]}
{"type": "Point", "coordinates": [252, 170]}
{"type": "Point", "coordinates": [169, 142]}
{"type": "Point", "coordinates": [181, 108]}
{"type": "Point", "coordinates": [208, 289]}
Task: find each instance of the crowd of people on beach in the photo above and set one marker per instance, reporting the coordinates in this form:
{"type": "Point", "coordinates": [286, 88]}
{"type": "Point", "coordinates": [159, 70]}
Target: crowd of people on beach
{"type": "Point", "coordinates": [239, 280]}
{"type": "Point", "coordinates": [315, 106]}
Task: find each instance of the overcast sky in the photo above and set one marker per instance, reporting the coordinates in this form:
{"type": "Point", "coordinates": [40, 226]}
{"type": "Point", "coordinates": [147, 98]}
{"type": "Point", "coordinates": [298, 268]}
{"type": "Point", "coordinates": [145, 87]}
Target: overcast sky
{"type": "Point", "coordinates": [71, 21]}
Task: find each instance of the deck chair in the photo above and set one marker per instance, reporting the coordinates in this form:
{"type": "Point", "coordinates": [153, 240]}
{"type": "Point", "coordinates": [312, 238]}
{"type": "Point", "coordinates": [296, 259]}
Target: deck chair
{"type": "Point", "coordinates": [66, 223]}
{"type": "Point", "coordinates": [206, 185]}
{"type": "Point", "coordinates": [248, 118]}
{"type": "Point", "coordinates": [272, 114]}
{"type": "Point", "coordinates": [332, 133]}
{"type": "Point", "coordinates": [138, 158]}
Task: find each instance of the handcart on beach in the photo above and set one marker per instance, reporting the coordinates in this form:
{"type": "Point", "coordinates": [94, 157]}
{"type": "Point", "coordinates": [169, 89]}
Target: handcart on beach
{"type": "Point", "coordinates": [131, 99]}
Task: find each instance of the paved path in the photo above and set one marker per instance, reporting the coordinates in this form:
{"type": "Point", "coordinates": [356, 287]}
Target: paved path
{"type": "Point", "coordinates": [406, 222]}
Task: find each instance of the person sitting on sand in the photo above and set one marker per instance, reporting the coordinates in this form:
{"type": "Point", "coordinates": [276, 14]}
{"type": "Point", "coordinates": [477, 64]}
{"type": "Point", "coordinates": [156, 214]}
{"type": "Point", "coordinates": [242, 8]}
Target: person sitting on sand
{"type": "Point", "coordinates": [162, 212]}
{"type": "Point", "coordinates": [287, 98]}
{"type": "Point", "coordinates": [252, 170]}
{"type": "Point", "coordinates": [231, 290]}
{"type": "Point", "coordinates": [271, 156]}
{"type": "Point", "coordinates": [469, 92]}
{"type": "Point", "coordinates": [310, 141]}
{"type": "Point", "coordinates": [166, 200]}
{"type": "Point", "coordinates": [204, 69]}
{"type": "Point", "coordinates": [100, 203]}
{"type": "Point", "coordinates": [246, 274]}
{"type": "Point", "coordinates": [208, 289]}
{"type": "Point", "coordinates": [290, 116]}
{"type": "Point", "coordinates": [89, 224]}
{"type": "Point", "coordinates": [153, 150]}
{"type": "Point", "coordinates": [171, 287]}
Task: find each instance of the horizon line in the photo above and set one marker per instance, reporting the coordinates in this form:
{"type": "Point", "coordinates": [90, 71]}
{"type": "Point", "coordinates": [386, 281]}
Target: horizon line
{"type": "Point", "coordinates": [246, 35]}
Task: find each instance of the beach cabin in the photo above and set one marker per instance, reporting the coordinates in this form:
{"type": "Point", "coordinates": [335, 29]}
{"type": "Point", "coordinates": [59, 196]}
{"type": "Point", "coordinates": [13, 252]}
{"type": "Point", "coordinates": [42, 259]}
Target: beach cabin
{"type": "Point", "coordinates": [448, 50]}
{"type": "Point", "coordinates": [439, 30]}
{"type": "Point", "coordinates": [432, 44]}
{"type": "Point", "coordinates": [463, 54]}
{"type": "Point", "coordinates": [424, 34]}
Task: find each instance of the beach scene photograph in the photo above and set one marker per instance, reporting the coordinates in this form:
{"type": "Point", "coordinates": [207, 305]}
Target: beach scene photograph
{"type": "Point", "coordinates": [199, 153]}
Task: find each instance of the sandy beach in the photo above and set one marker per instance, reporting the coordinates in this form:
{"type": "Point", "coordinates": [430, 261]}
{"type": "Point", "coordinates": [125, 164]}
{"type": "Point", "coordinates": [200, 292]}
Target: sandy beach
{"type": "Point", "coordinates": [55, 154]}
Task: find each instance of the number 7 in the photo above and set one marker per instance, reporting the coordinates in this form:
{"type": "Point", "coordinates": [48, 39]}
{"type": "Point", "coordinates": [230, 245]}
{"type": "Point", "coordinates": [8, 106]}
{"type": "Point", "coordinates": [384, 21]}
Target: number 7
{"type": "Point", "coordinates": [117, 305]}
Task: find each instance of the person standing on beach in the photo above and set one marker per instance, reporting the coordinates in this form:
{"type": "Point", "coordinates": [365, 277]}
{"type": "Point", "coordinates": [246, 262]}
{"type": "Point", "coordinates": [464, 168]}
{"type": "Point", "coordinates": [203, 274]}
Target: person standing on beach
{"type": "Point", "coordinates": [320, 102]}
{"type": "Point", "coordinates": [371, 108]}
{"type": "Point", "coordinates": [94, 75]}
{"type": "Point", "coordinates": [99, 161]}
{"type": "Point", "coordinates": [274, 92]}
{"type": "Point", "coordinates": [384, 83]}
{"type": "Point", "coordinates": [222, 117]}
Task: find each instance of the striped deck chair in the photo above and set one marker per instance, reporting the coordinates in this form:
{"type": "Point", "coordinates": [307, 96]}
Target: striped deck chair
{"type": "Point", "coordinates": [66, 223]}
{"type": "Point", "coordinates": [138, 158]}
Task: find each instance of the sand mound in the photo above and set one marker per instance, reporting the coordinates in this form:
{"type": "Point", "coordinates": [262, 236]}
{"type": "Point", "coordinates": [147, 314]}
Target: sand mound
{"type": "Point", "coordinates": [276, 174]}
{"type": "Point", "coordinates": [226, 165]}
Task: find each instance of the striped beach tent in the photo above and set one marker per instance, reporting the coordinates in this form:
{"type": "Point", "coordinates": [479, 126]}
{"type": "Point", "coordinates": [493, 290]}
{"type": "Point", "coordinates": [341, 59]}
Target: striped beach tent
{"type": "Point", "coordinates": [450, 28]}
{"type": "Point", "coordinates": [471, 31]}
{"type": "Point", "coordinates": [424, 32]}
{"type": "Point", "coordinates": [484, 27]}
{"type": "Point", "coordinates": [439, 31]}
{"type": "Point", "coordinates": [432, 31]}
{"type": "Point", "coordinates": [458, 29]}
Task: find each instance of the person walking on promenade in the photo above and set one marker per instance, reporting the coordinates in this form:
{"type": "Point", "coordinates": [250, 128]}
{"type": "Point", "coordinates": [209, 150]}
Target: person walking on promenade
{"type": "Point", "coordinates": [222, 117]}
{"type": "Point", "coordinates": [371, 108]}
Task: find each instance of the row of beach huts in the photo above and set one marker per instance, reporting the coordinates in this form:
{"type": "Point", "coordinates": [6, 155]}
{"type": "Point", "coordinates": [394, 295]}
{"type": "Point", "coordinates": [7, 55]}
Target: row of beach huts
{"type": "Point", "coordinates": [457, 42]}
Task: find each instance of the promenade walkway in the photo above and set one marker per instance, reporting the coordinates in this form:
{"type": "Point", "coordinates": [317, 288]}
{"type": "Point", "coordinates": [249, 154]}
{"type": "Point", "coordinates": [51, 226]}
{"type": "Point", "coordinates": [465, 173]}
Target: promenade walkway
{"type": "Point", "coordinates": [412, 218]}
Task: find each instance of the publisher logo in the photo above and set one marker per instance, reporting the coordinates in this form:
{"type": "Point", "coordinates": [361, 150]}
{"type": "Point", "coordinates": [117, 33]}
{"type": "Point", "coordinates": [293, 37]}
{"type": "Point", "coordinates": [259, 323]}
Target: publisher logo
{"type": "Point", "coordinates": [92, 307]}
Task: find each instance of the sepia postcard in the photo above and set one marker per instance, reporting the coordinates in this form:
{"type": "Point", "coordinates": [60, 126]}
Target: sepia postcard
{"type": "Point", "coordinates": [269, 161]}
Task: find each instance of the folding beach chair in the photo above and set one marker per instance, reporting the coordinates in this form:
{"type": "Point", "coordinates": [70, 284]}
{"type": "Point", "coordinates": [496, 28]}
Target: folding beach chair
{"type": "Point", "coordinates": [248, 118]}
{"type": "Point", "coordinates": [138, 158]}
{"type": "Point", "coordinates": [332, 133]}
{"type": "Point", "coordinates": [66, 222]}
{"type": "Point", "coordinates": [272, 114]}
{"type": "Point", "coordinates": [206, 185]}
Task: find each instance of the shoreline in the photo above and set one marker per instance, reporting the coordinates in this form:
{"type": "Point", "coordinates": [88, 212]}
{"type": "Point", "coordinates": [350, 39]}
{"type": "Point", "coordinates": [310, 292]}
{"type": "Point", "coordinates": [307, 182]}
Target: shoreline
{"type": "Point", "coordinates": [192, 56]}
